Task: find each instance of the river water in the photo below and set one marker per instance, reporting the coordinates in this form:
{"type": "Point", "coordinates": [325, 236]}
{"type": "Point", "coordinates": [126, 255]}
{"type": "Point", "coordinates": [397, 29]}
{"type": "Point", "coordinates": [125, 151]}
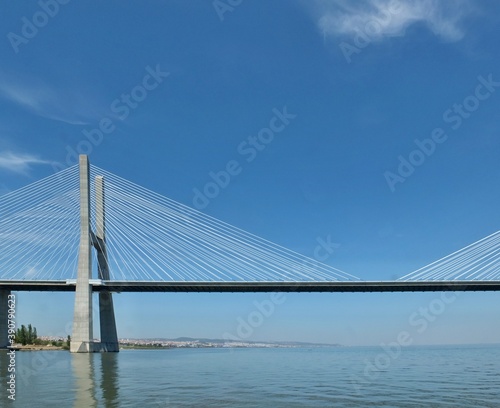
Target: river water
{"type": "Point", "coordinates": [438, 376]}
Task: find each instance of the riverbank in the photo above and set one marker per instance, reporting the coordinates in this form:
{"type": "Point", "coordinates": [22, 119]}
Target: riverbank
{"type": "Point", "coordinates": [33, 347]}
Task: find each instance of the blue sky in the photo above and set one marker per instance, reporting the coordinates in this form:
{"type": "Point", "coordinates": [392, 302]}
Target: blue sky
{"type": "Point", "coordinates": [165, 93]}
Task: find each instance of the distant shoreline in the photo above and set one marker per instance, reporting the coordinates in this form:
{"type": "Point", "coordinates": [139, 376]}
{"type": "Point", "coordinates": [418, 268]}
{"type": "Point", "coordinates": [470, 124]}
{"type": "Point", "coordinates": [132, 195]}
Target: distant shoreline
{"type": "Point", "coordinates": [179, 343]}
{"type": "Point", "coordinates": [139, 347]}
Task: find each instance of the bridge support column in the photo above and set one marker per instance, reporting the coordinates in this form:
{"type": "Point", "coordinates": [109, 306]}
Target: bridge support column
{"type": "Point", "coordinates": [82, 337]}
{"type": "Point", "coordinates": [109, 337]}
{"type": "Point", "coordinates": [4, 308]}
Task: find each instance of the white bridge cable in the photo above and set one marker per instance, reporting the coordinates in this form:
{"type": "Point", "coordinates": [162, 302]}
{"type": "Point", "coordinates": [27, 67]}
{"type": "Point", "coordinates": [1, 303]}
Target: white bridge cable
{"type": "Point", "coordinates": [455, 263]}
{"type": "Point", "coordinates": [477, 261]}
{"type": "Point", "coordinates": [39, 229]}
{"type": "Point", "coordinates": [38, 191]}
{"type": "Point", "coordinates": [176, 256]}
{"type": "Point", "coordinates": [195, 251]}
{"type": "Point", "coordinates": [40, 243]}
{"type": "Point", "coordinates": [211, 246]}
{"type": "Point", "coordinates": [226, 232]}
{"type": "Point", "coordinates": [151, 237]}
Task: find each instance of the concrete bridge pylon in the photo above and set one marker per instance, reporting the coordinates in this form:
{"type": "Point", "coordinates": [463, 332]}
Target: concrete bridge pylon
{"type": "Point", "coordinates": [82, 339]}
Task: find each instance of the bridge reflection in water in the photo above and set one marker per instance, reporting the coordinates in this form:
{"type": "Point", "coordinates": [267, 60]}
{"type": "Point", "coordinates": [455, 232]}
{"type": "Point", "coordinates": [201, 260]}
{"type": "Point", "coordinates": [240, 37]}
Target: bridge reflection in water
{"type": "Point", "coordinates": [96, 379]}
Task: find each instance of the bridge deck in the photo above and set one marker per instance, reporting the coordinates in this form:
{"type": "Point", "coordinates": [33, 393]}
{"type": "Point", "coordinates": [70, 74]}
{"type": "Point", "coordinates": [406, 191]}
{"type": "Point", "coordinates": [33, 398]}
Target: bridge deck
{"type": "Point", "coordinates": [356, 286]}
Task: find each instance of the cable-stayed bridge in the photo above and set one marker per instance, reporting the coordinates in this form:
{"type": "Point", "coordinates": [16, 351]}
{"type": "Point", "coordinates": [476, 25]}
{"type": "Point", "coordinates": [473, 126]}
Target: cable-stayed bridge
{"type": "Point", "coordinates": [54, 231]}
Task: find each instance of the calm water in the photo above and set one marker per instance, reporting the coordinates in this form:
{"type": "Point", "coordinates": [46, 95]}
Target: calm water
{"type": "Point", "coordinates": [458, 376]}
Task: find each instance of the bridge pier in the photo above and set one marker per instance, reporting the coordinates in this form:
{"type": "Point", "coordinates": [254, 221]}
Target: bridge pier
{"type": "Point", "coordinates": [82, 336]}
{"type": "Point", "coordinates": [109, 337]}
{"type": "Point", "coordinates": [4, 313]}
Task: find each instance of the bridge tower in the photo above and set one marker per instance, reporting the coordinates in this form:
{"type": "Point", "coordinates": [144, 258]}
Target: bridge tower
{"type": "Point", "coordinates": [82, 336]}
{"type": "Point", "coordinates": [109, 337]}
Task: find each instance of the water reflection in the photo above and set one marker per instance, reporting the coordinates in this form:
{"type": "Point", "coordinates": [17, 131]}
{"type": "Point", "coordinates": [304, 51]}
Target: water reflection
{"type": "Point", "coordinates": [96, 380]}
{"type": "Point", "coordinates": [83, 371]}
{"type": "Point", "coordinates": [4, 364]}
{"type": "Point", "coordinates": [109, 379]}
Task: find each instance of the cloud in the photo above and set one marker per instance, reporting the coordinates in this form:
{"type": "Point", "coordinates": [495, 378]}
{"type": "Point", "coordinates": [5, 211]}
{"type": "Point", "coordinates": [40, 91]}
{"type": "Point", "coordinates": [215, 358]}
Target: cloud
{"type": "Point", "coordinates": [390, 18]}
{"type": "Point", "coordinates": [42, 100]}
{"type": "Point", "coordinates": [19, 163]}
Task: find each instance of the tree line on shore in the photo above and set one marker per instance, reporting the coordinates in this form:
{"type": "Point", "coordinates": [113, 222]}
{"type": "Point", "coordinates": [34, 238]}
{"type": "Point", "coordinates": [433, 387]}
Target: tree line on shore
{"type": "Point", "coordinates": [28, 335]}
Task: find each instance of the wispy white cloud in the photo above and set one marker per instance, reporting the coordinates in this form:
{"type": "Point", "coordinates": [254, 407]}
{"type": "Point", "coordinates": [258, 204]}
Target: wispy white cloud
{"type": "Point", "coordinates": [380, 19]}
{"type": "Point", "coordinates": [43, 100]}
{"type": "Point", "coordinates": [19, 162]}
